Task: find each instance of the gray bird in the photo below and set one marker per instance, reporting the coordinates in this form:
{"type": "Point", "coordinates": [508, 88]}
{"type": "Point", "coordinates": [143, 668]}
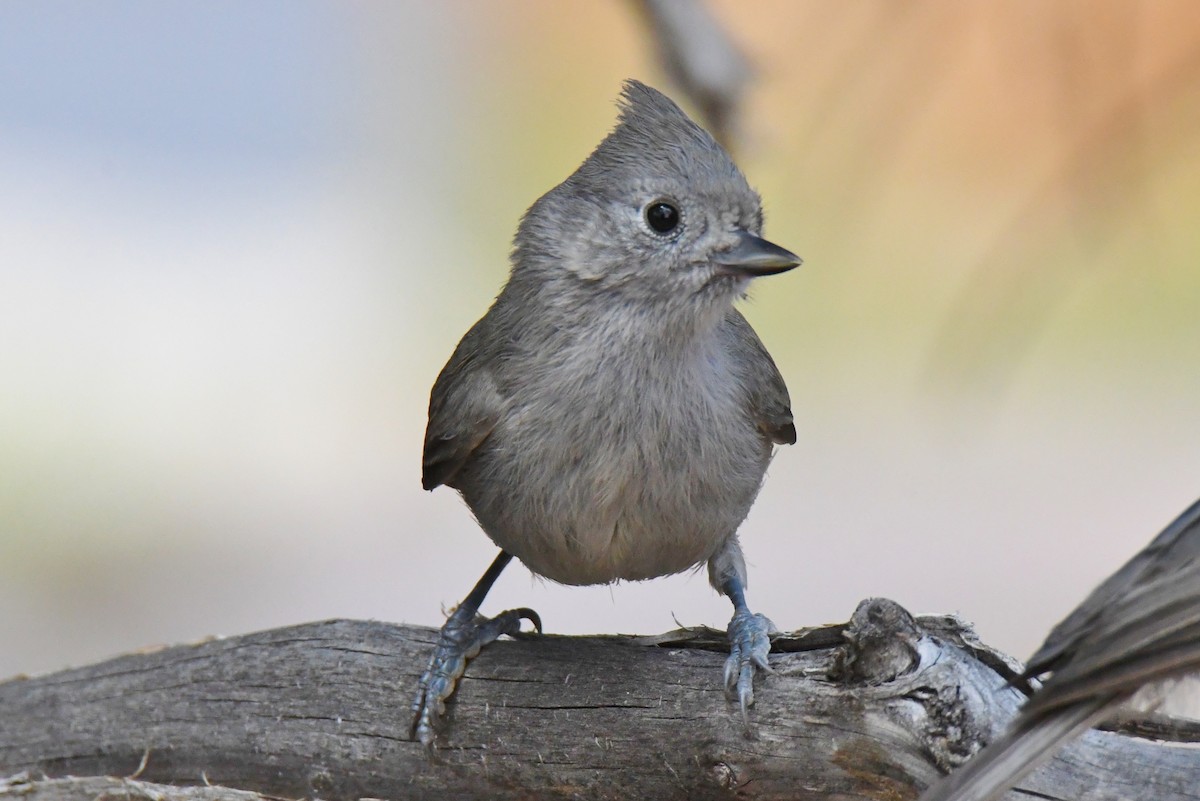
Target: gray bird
{"type": "Point", "coordinates": [612, 416]}
{"type": "Point", "coordinates": [1136, 633]}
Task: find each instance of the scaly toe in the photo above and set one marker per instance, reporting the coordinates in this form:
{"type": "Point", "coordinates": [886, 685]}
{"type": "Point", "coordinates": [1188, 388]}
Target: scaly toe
{"type": "Point", "coordinates": [460, 640]}
{"type": "Point", "coordinates": [749, 645]}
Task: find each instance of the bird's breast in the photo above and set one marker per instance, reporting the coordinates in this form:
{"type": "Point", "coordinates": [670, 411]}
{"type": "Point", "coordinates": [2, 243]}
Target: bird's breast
{"type": "Point", "coordinates": [611, 469]}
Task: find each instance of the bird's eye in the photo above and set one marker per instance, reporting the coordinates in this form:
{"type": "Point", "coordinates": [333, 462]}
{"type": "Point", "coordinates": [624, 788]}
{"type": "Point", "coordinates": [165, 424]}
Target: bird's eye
{"type": "Point", "coordinates": [662, 216]}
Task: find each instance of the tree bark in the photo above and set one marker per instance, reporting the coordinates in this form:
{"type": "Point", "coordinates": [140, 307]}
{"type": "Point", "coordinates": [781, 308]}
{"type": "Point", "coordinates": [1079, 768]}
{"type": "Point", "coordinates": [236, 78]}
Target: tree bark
{"type": "Point", "coordinates": [875, 709]}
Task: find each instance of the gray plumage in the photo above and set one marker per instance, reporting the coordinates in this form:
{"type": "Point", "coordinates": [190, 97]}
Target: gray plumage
{"type": "Point", "coordinates": [612, 415]}
{"type": "Point", "coordinates": [1134, 634]}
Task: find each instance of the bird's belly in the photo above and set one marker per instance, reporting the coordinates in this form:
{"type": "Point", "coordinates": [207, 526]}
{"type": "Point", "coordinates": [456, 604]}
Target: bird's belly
{"type": "Point", "coordinates": [596, 504]}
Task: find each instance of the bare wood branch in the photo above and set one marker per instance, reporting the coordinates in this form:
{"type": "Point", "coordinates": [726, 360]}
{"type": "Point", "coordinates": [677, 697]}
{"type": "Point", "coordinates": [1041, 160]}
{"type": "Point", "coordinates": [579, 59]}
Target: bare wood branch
{"type": "Point", "coordinates": [875, 710]}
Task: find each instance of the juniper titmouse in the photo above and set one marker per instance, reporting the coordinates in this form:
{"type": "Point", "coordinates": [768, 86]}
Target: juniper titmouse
{"type": "Point", "coordinates": [1136, 633]}
{"type": "Point", "coordinates": [611, 416]}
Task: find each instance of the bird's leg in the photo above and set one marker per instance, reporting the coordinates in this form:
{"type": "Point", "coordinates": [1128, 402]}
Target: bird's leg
{"type": "Point", "coordinates": [463, 635]}
{"type": "Point", "coordinates": [749, 633]}
{"type": "Point", "coordinates": [749, 644]}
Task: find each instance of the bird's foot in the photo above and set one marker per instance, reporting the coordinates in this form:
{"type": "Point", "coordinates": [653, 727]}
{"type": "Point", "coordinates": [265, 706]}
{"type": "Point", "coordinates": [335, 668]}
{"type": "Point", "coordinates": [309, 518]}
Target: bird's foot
{"type": "Point", "coordinates": [461, 640]}
{"type": "Point", "coordinates": [749, 644]}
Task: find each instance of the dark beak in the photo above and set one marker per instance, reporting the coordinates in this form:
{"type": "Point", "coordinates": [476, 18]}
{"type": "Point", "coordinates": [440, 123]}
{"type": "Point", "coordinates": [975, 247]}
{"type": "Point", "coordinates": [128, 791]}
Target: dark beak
{"type": "Point", "coordinates": [753, 256]}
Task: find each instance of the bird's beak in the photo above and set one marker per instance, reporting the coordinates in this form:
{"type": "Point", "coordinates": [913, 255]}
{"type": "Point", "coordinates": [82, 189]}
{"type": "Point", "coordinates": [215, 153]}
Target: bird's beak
{"type": "Point", "coordinates": [753, 256]}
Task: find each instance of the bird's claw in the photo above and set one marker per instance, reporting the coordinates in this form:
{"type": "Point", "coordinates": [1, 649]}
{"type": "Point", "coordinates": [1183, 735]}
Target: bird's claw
{"type": "Point", "coordinates": [749, 644]}
{"type": "Point", "coordinates": [460, 640]}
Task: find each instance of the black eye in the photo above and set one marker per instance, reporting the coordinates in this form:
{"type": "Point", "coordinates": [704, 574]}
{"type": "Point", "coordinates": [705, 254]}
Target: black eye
{"type": "Point", "coordinates": [662, 216]}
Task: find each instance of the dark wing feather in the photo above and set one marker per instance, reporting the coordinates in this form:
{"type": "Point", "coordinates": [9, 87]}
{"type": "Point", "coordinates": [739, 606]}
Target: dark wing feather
{"type": "Point", "coordinates": [769, 401]}
{"type": "Point", "coordinates": [464, 407]}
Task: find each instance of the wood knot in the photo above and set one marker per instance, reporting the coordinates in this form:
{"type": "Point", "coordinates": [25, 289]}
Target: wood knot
{"type": "Point", "coordinates": [724, 775]}
{"type": "Point", "coordinates": [880, 644]}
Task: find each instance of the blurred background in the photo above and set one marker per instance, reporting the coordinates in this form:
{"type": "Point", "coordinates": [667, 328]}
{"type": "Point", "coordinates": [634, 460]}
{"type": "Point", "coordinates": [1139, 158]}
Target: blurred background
{"type": "Point", "coordinates": [238, 242]}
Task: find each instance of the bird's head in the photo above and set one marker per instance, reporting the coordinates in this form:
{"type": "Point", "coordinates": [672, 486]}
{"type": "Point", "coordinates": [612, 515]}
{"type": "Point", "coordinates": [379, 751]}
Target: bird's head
{"type": "Point", "coordinates": [658, 214]}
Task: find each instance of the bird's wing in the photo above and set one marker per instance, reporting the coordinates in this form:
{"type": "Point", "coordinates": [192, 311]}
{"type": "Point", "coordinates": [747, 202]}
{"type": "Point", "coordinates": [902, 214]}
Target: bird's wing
{"type": "Point", "coordinates": [1170, 551]}
{"type": "Point", "coordinates": [464, 407]}
{"type": "Point", "coordinates": [769, 401]}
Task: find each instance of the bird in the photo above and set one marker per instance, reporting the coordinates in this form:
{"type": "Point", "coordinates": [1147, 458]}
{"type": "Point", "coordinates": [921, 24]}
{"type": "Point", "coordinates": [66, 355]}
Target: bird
{"type": "Point", "coordinates": [612, 416]}
{"type": "Point", "coordinates": [1137, 633]}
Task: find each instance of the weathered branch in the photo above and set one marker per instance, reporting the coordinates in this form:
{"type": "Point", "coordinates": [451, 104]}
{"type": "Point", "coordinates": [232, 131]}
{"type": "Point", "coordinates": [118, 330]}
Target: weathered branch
{"type": "Point", "coordinates": [321, 710]}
